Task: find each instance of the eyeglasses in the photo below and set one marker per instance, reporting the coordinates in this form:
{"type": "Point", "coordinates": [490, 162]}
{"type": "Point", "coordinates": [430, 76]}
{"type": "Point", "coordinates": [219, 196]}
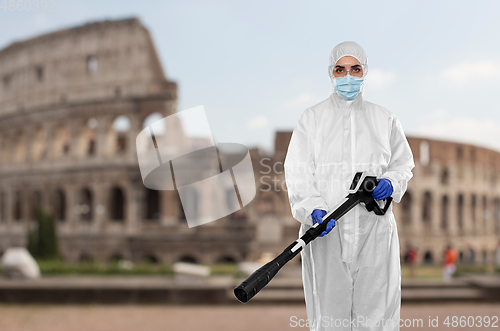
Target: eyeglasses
{"type": "Point", "coordinates": [354, 69]}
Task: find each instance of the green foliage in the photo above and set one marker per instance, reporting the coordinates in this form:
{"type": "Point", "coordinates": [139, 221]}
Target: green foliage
{"type": "Point", "coordinates": [57, 267]}
{"type": "Point", "coordinates": [42, 240]}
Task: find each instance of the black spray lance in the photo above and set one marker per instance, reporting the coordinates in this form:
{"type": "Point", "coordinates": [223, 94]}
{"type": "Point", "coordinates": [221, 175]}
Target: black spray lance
{"type": "Point", "coordinates": [360, 191]}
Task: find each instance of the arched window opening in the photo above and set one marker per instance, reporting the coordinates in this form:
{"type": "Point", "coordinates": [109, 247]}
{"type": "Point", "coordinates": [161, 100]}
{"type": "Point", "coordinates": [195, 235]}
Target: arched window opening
{"type": "Point", "coordinates": [85, 205]}
{"type": "Point", "coordinates": [121, 126]}
{"type": "Point", "coordinates": [152, 204]}
{"type": "Point", "coordinates": [188, 259]}
{"type": "Point", "coordinates": [406, 203]}
{"type": "Point", "coordinates": [3, 209]}
{"type": "Point", "coordinates": [227, 259]}
{"type": "Point", "coordinates": [62, 140]}
{"type": "Point", "coordinates": [428, 258]}
{"type": "Point", "coordinates": [91, 64]}
{"type": "Point", "coordinates": [18, 206]}
{"type": "Point", "coordinates": [90, 137]}
{"type": "Point", "coordinates": [117, 204]}
{"type": "Point", "coordinates": [38, 147]}
{"type": "Point", "coordinates": [444, 176]}
{"type": "Point", "coordinates": [460, 153]}
{"type": "Point", "coordinates": [444, 213]}
{"type": "Point", "coordinates": [497, 215]}
{"type": "Point", "coordinates": [59, 205]}
{"type": "Point", "coordinates": [485, 213]}
{"type": "Point", "coordinates": [427, 208]}
{"type": "Point", "coordinates": [20, 148]}
{"type": "Point", "coordinates": [151, 259]}
{"type": "Point", "coordinates": [460, 211]}
{"type": "Point", "coordinates": [473, 211]}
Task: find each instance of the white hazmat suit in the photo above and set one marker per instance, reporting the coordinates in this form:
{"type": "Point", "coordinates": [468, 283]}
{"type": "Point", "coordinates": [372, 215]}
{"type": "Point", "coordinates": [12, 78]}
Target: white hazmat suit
{"type": "Point", "coordinates": [351, 276]}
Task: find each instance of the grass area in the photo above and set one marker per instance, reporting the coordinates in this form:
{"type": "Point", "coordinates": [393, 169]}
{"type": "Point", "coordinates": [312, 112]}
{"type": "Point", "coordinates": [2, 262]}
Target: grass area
{"type": "Point", "coordinates": [94, 268]}
{"type": "Point", "coordinates": [436, 271]}
{"type": "Point", "coordinates": [430, 272]}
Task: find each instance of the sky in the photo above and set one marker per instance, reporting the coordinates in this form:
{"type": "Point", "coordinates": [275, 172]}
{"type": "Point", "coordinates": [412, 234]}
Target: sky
{"type": "Point", "coordinates": [257, 65]}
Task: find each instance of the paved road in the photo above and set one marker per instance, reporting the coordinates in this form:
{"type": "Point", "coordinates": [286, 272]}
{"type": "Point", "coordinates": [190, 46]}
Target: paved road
{"type": "Point", "coordinates": [207, 318]}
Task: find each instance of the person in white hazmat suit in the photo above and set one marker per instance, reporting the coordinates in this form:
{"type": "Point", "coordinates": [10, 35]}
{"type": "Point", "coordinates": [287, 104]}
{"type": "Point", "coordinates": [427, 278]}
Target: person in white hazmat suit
{"type": "Point", "coordinates": [351, 273]}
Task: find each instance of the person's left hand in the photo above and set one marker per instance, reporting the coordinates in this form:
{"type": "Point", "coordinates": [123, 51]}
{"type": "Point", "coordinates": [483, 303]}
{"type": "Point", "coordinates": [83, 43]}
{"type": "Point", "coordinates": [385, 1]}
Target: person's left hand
{"type": "Point", "coordinates": [317, 216]}
{"type": "Point", "coordinates": [383, 190]}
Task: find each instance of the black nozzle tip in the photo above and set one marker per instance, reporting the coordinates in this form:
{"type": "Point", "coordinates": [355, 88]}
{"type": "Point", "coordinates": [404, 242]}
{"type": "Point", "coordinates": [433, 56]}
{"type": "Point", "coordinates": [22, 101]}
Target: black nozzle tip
{"type": "Point", "coordinates": [241, 295]}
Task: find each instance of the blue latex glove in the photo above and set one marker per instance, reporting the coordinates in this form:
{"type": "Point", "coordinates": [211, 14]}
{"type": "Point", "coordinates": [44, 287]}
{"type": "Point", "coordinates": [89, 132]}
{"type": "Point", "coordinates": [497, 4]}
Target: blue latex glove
{"type": "Point", "coordinates": [383, 190]}
{"type": "Point", "coordinates": [317, 217]}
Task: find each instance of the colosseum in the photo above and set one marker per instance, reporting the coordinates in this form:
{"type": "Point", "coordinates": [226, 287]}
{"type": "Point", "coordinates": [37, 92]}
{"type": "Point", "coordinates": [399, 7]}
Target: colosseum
{"type": "Point", "coordinates": [72, 103]}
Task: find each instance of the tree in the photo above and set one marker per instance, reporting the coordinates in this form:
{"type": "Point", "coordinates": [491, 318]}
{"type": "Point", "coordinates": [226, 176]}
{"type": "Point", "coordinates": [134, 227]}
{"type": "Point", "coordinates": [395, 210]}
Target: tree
{"type": "Point", "coordinates": [42, 241]}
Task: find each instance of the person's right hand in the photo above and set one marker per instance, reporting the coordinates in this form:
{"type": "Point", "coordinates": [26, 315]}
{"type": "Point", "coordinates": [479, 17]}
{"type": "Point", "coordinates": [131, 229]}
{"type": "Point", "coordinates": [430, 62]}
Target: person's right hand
{"type": "Point", "coordinates": [317, 217]}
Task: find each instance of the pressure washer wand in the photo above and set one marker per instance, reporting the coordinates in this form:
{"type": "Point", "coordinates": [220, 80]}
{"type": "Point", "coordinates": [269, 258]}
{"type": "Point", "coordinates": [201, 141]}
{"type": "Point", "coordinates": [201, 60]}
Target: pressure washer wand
{"type": "Point", "coordinates": [360, 192]}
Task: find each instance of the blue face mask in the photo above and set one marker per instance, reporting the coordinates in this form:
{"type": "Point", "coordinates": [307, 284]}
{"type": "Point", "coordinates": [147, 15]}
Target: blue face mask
{"type": "Point", "coordinates": [348, 87]}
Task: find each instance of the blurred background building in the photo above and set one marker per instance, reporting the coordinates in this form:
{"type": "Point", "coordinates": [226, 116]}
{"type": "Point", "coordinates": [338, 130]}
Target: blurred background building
{"type": "Point", "coordinates": [71, 105]}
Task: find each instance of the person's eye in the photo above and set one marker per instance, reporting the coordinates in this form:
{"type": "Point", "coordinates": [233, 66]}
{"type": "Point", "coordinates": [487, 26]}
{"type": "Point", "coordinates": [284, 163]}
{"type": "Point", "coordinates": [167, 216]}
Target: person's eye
{"type": "Point", "coordinates": [338, 70]}
{"type": "Point", "coordinates": [357, 69]}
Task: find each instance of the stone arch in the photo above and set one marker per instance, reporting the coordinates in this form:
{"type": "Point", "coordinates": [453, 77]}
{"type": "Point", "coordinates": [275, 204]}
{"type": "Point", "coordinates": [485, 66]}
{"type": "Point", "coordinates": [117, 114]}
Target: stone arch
{"type": "Point", "coordinates": [85, 204]}
{"type": "Point", "coordinates": [87, 138]}
{"type": "Point", "coordinates": [118, 134]}
{"type": "Point", "coordinates": [151, 258]}
{"type": "Point", "coordinates": [427, 207]}
{"type": "Point", "coordinates": [496, 215]}
{"type": "Point", "coordinates": [18, 206]}
{"type": "Point", "coordinates": [20, 147]}
{"type": "Point", "coordinates": [3, 206]}
{"type": "Point", "coordinates": [227, 259]}
{"type": "Point", "coordinates": [116, 204]}
{"type": "Point", "coordinates": [152, 204]}
{"type": "Point", "coordinates": [484, 213]}
{"type": "Point", "coordinates": [59, 204]}
{"type": "Point", "coordinates": [444, 212]}
{"type": "Point", "coordinates": [445, 176]}
{"type": "Point", "coordinates": [188, 258]}
{"type": "Point", "coordinates": [406, 208]}
{"type": "Point", "coordinates": [428, 258]}
{"type": "Point", "coordinates": [473, 203]}
{"type": "Point", "coordinates": [460, 211]}
{"type": "Point", "coordinates": [61, 140]}
{"type": "Point", "coordinates": [38, 146]}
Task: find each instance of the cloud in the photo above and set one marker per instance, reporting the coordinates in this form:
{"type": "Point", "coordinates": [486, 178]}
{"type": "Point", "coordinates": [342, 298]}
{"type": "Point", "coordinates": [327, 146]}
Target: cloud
{"type": "Point", "coordinates": [442, 125]}
{"type": "Point", "coordinates": [378, 78]}
{"type": "Point", "coordinates": [470, 72]}
{"type": "Point", "coordinates": [301, 101]}
{"type": "Point", "coordinates": [257, 122]}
